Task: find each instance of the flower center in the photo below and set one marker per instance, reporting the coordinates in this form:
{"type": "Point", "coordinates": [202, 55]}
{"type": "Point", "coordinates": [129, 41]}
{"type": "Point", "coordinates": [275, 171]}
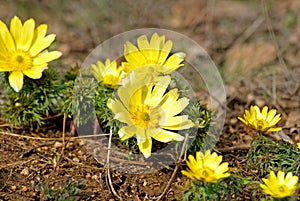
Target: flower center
{"type": "Point", "coordinates": [110, 79]}
{"type": "Point", "coordinates": [281, 189]}
{"type": "Point", "coordinates": [140, 116]}
{"type": "Point", "coordinates": [145, 116]}
{"type": "Point", "coordinates": [19, 61]}
{"type": "Point", "coordinates": [262, 125]}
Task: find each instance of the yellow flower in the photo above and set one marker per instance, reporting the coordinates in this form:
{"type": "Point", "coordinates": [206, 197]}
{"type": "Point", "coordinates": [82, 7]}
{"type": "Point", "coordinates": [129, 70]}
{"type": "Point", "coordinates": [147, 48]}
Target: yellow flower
{"type": "Point", "coordinates": [150, 111]}
{"type": "Point", "coordinates": [108, 73]}
{"type": "Point", "coordinates": [21, 51]}
{"type": "Point", "coordinates": [261, 121]}
{"type": "Point", "coordinates": [280, 186]}
{"type": "Point", "coordinates": [206, 167]}
{"type": "Point", "coordinates": [298, 144]}
{"type": "Point", "coordinates": [154, 53]}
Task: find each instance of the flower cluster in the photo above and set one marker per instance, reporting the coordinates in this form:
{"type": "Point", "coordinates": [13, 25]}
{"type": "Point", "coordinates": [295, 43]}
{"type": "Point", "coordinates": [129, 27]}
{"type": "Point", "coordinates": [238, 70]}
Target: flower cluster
{"type": "Point", "coordinates": [143, 97]}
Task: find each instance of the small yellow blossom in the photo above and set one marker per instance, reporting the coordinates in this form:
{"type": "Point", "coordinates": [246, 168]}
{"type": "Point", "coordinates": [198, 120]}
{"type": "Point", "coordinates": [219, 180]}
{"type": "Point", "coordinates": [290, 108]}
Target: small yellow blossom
{"type": "Point", "coordinates": [261, 120]}
{"type": "Point", "coordinates": [108, 74]}
{"type": "Point", "coordinates": [149, 111]}
{"type": "Point", "coordinates": [155, 53]}
{"type": "Point", "coordinates": [298, 144]}
{"type": "Point", "coordinates": [206, 167]}
{"type": "Point", "coordinates": [280, 186]}
{"type": "Point", "coordinates": [22, 51]}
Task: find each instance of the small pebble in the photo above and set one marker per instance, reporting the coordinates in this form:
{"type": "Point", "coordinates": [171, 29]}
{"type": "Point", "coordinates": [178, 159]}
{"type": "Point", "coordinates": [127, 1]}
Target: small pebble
{"type": "Point", "coordinates": [57, 144]}
{"type": "Point", "coordinates": [95, 177]}
{"type": "Point", "coordinates": [25, 172]}
{"type": "Point", "coordinates": [88, 175]}
{"type": "Point", "coordinates": [24, 188]}
{"type": "Point", "coordinates": [76, 160]}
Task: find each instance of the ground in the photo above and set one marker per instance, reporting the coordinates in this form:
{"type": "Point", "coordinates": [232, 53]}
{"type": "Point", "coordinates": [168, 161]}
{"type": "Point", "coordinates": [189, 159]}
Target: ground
{"type": "Point", "coordinates": [254, 44]}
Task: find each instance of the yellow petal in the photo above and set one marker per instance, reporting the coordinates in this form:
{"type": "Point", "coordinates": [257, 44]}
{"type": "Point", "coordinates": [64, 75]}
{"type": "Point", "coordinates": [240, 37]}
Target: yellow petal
{"type": "Point", "coordinates": [264, 112]}
{"type": "Point", "coordinates": [16, 29]}
{"type": "Point", "coordinates": [39, 33]}
{"type": "Point", "coordinates": [243, 120]}
{"type": "Point", "coordinates": [3, 66]}
{"type": "Point", "coordinates": [275, 120]}
{"type": "Point", "coordinates": [3, 50]}
{"type": "Point", "coordinates": [133, 55]}
{"type": "Point", "coordinates": [6, 37]}
{"type": "Point", "coordinates": [158, 91]}
{"type": "Point", "coordinates": [274, 129]}
{"type": "Point", "coordinates": [16, 80]}
{"type": "Point", "coordinates": [173, 63]}
{"type": "Point", "coordinates": [176, 123]}
{"type": "Point", "coordinates": [193, 163]}
{"type": "Point", "coordinates": [26, 35]}
{"type": "Point", "coordinates": [271, 115]}
{"type": "Point", "coordinates": [143, 42]}
{"type": "Point", "coordinates": [46, 57]}
{"type": "Point", "coordinates": [167, 136]}
{"type": "Point", "coordinates": [188, 174]}
{"type": "Point", "coordinates": [222, 168]}
{"type": "Point", "coordinates": [41, 44]}
{"type": "Point", "coordinates": [154, 48]}
{"type": "Point", "coordinates": [146, 147]}
{"type": "Point", "coordinates": [164, 53]}
{"type": "Point", "coordinates": [119, 110]}
{"type": "Point", "coordinates": [280, 177]}
{"type": "Point", "coordinates": [127, 132]}
{"type": "Point", "coordinates": [33, 73]}
{"type": "Point", "coordinates": [177, 106]}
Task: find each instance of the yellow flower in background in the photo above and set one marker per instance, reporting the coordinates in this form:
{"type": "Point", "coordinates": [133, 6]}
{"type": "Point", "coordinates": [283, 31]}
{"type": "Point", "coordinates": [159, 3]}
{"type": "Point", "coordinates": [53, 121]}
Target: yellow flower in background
{"type": "Point", "coordinates": [298, 144]}
{"type": "Point", "coordinates": [150, 111]}
{"type": "Point", "coordinates": [280, 186]}
{"type": "Point", "coordinates": [108, 73]}
{"type": "Point", "coordinates": [154, 53]}
{"type": "Point", "coordinates": [206, 167]}
{"type": "Point", "coordinates": [22, 51]}
{"type": "Point", "coordinates": [261, 120]}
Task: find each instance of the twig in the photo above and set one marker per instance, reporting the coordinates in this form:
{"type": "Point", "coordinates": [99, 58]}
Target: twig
{"type": "Point", "coordinates": [131, 162]}
{"type": "Point", "coordinates": [249, 31]}
{"type": "Point", "coordinates": [51, 139]}
{"type": "Point", "coordinates": [15, 163]}
{"type": "Point", "coordinates": [64, 129]}
{"type": "Point", "coordinates": [108, 171]}
{"type": "Point", "coordinates": [175, 170]}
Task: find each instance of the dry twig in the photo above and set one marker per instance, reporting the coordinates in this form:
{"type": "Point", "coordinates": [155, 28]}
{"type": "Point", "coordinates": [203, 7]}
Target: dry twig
{"type": "Point", "coordinates": [108, 171]}
{"type": "Point", "coordinates": [175, 170]}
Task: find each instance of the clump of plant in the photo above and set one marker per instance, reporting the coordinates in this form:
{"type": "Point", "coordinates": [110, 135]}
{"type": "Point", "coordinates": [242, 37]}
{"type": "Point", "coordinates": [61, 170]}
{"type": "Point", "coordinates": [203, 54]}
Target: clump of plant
{"type": "Point", "coordinates": [24, 57]}
{"type": "Point", "coordinates": [266, 154]}
{"type": "Point", "coordinates": [68, 191]}
{"type": "Point", "coordinates": [134, 95]}
{"type": "Point", "coordinates": [211, 179]}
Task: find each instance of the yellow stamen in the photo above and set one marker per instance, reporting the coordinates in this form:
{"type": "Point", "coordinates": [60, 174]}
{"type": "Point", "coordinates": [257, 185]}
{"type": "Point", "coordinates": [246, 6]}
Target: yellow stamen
{"type": "Point", "coordinates": [19, 61]}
